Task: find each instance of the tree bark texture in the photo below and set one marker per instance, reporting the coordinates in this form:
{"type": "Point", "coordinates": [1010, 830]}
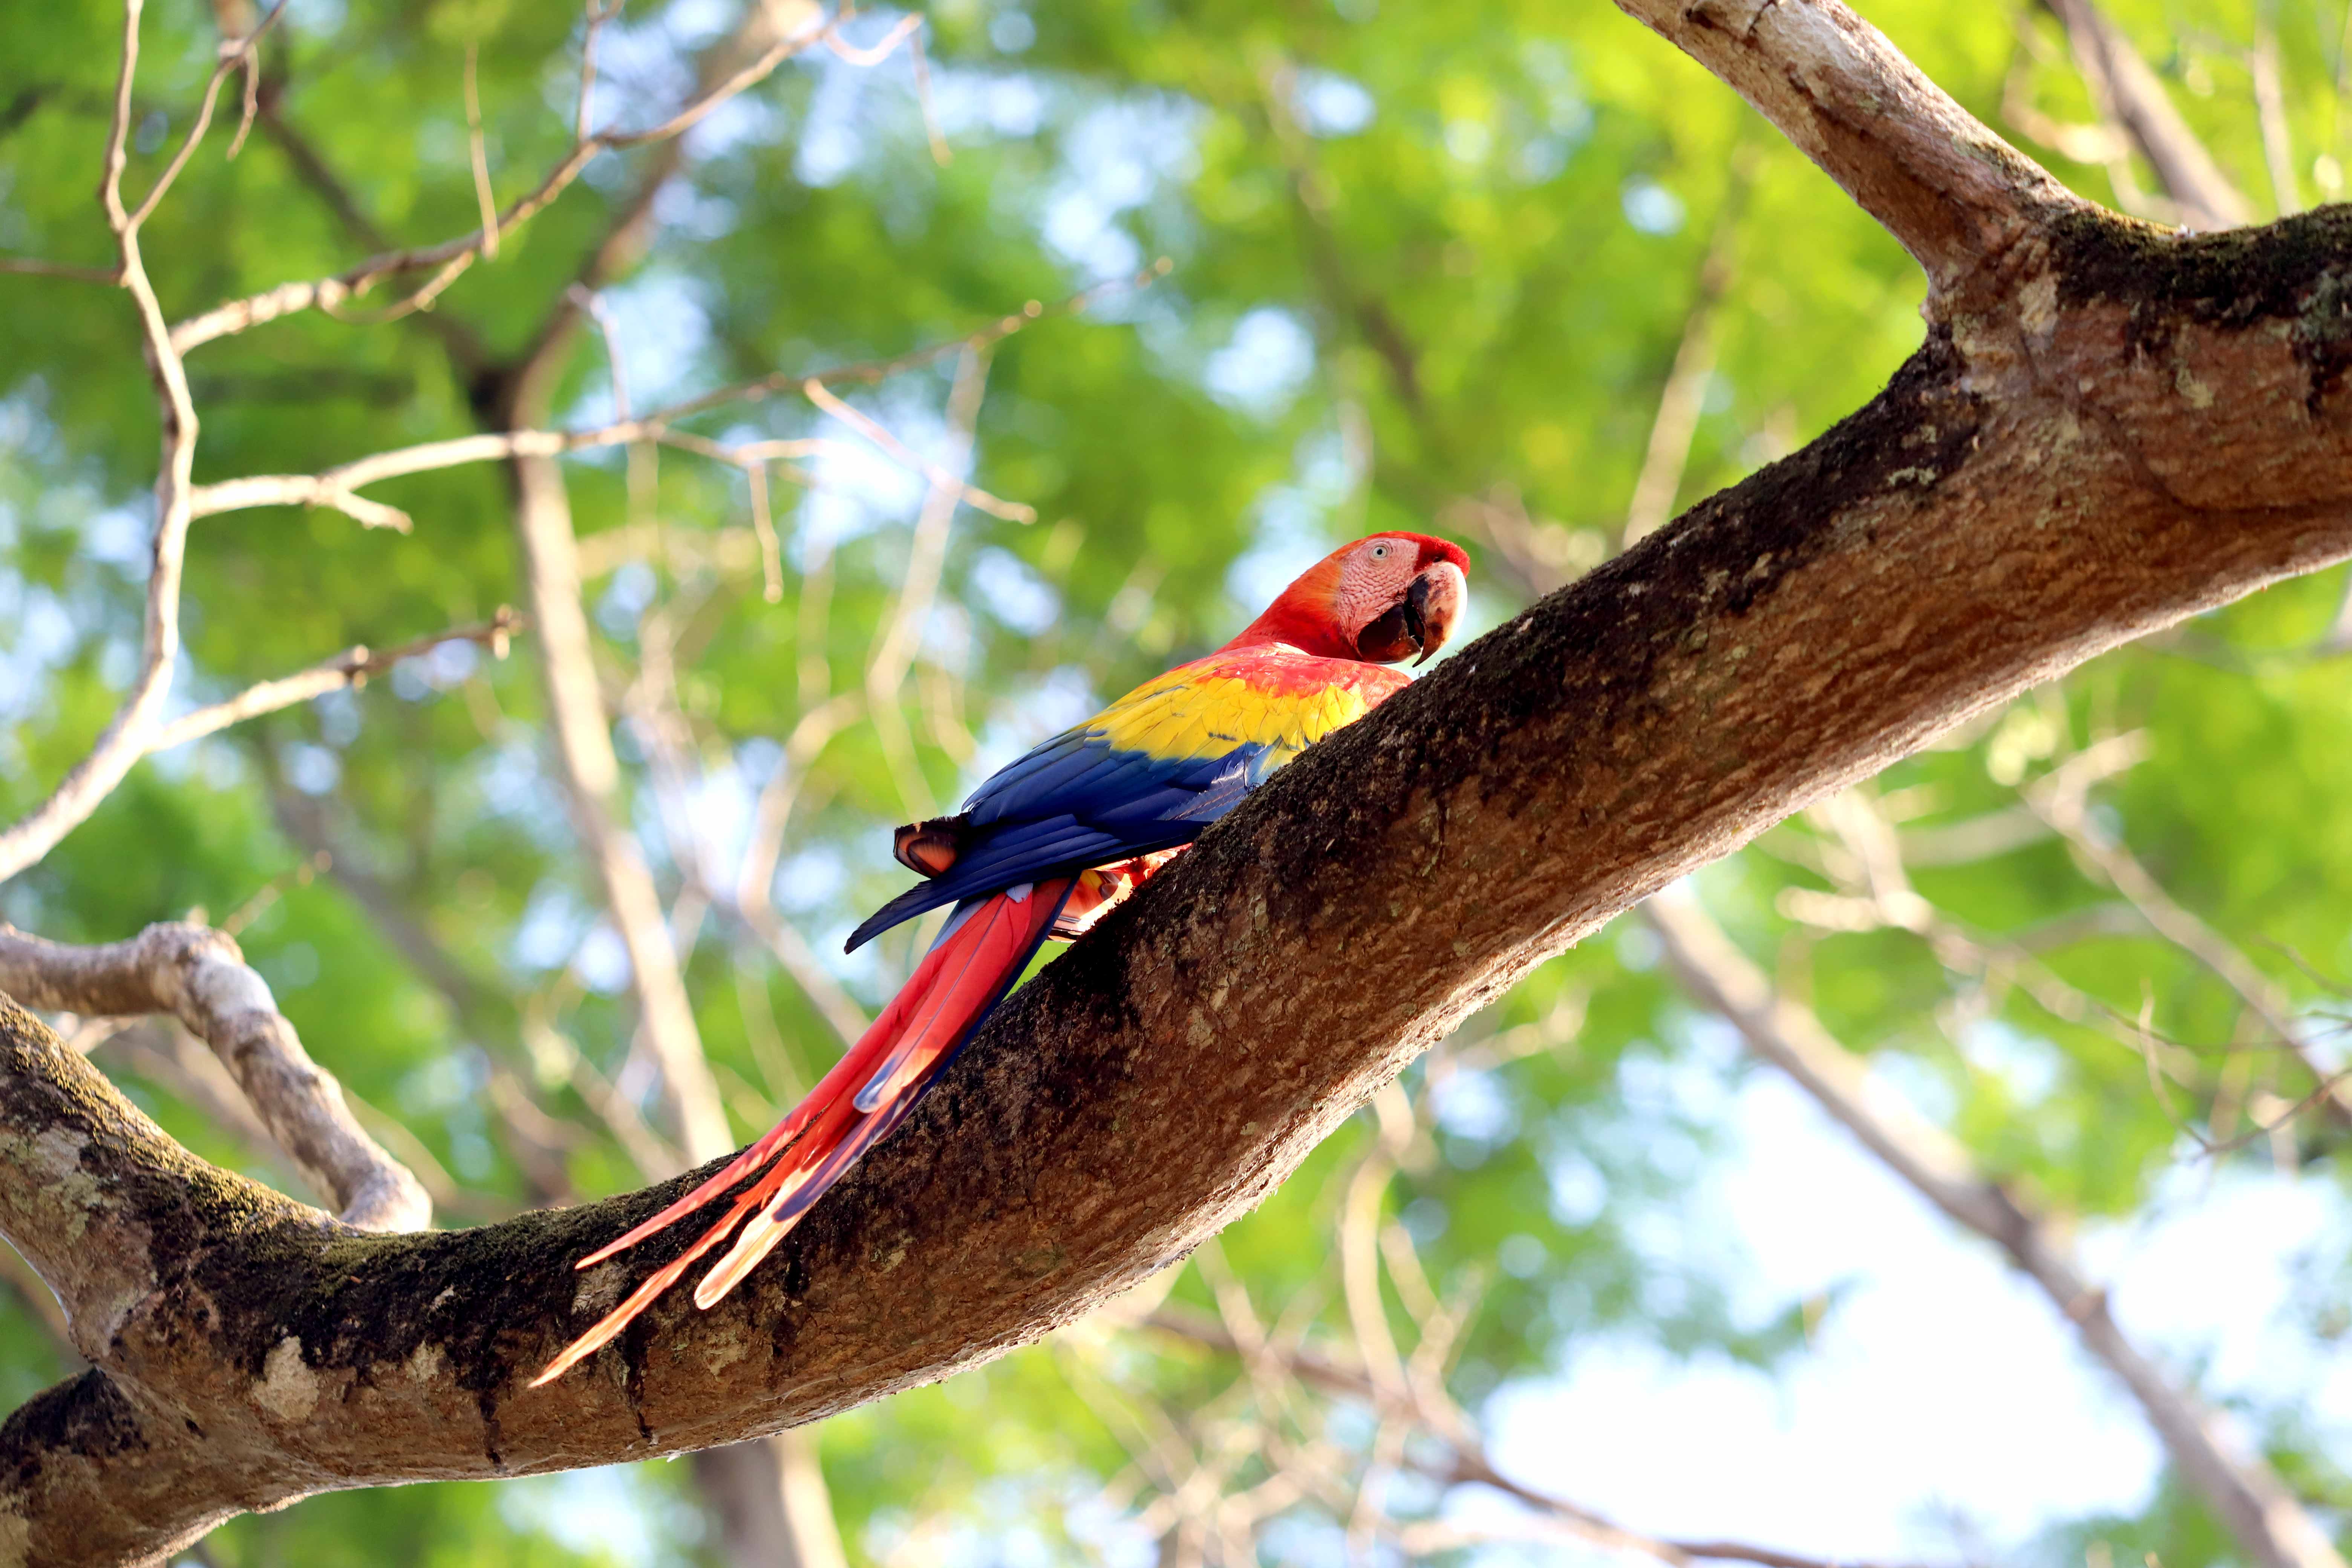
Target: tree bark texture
{"type": "Point", "coordinates": [2108, 428]}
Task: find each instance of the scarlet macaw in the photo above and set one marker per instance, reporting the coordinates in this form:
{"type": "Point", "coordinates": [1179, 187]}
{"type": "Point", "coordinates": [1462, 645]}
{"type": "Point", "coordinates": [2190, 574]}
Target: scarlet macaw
{"type": "Point", "coordinates": [1049, 843]}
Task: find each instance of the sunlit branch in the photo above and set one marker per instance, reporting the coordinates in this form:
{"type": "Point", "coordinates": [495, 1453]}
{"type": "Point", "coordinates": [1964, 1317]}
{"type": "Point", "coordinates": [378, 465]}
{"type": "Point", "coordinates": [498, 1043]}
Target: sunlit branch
{"type": "Point", "coordinates": [1012, 512]}
{"type": "Point", "coordinates": [756, 876]}
{"type": "Point", "coordinates": [940, 152]}
{"type": "Point", "coordinates": [894, 646]}
{"type": "Point", "coordinates": [477, 146]}
{"type": "Point", "coordinates": [591, 301]}
{"type": "Point", "coordinates": [231, 57]}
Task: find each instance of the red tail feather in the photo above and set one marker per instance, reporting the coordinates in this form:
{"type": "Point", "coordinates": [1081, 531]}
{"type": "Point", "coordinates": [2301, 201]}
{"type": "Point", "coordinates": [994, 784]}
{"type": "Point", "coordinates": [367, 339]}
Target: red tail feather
{"type": "Point", "coordinates": [868, 1092]}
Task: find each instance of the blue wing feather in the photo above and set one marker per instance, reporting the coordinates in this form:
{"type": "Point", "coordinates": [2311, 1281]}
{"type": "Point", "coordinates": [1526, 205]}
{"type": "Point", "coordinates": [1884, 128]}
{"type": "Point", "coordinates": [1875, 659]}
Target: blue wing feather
{"type": "Point", "coordinates": [1089, 805]}
{"type": "Point", "coordinates": [1150, 773]}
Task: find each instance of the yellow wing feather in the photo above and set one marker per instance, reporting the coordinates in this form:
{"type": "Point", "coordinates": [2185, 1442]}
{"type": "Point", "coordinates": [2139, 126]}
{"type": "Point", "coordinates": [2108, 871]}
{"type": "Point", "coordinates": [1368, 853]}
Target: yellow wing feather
{"type": "Point", "coordinates": [1188, 712]}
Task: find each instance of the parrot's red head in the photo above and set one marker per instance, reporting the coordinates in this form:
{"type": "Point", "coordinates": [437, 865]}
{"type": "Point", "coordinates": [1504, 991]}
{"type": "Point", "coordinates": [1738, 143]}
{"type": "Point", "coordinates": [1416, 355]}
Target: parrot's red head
{"type": "Point", "coordinates": [1382, 599]}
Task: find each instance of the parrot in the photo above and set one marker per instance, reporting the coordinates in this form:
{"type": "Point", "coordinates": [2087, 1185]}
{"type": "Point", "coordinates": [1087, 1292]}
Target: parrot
{"type": "Point", "coordinates": [1046, 845]}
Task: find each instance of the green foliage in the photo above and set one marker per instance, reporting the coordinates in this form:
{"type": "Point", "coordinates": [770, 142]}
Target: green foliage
{"type": "Point", "coordinates": [1431, 268]}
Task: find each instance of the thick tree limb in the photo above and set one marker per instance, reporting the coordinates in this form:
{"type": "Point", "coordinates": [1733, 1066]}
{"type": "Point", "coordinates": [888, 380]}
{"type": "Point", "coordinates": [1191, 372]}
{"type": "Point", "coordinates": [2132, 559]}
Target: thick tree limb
{"type": "Point", "coordinates": [197, 976]}
{"type": "Point", "coordinates": [2242, 1489]}
{"type": "Point", "coordinates": [2108, 428]}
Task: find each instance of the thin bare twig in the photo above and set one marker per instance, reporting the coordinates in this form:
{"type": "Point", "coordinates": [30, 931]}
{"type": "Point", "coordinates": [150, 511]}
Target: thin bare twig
{"type": "Point", "coordinates": [593, 302]}
{"type": "Point", "coordinates": [876, 53]}
{"type": "Point", "coordinates": [754, 458]}
{"type": "Point", "coordinates": [2133, 95]}
{"type": "Point", "coordinates": [450, 259]}
{"type": "Point", "coordinates": [478, 146]}
{"type": "Point", "coordinates": [597, 16]}
{"type": "Point", "coordinates": [354, 666]}
{"type": "Point", "coordinates": [763, 525]}
{"type": "Point", "coordinates": [971, 495]}
{"type": "Point", "coordinates": [1464, 1460]}
{"type": "Point", "coordinates": [336, 487]}
{"type": "Point", "coordinates": [2064, 810]}
{"type": "Point", "coordinates": [231, 57]}
{"type": "Point", "coordinates": [249, 109]}
{"type": "Point", "coordinates": [1683, 398]}
{"type": "Point", "coordinates": [124, 739]}
{"type": "Point", "coordinates": [2269, 107]}
{"type": "Point", "coordinates": [755, 877]}
{"type": "Point", "coordinates": [2241, 1487]}
{"type": "Point", "coordinates": [940, 152]}
{"type": "Point", "coordinates": [31, 266]}
{"type": "Point", "coordinates": [901, 633]}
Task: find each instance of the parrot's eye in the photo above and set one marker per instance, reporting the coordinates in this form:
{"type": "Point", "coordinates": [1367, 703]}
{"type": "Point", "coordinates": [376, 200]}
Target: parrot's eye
{"type": "Point", "coordinates": [1379, 552]}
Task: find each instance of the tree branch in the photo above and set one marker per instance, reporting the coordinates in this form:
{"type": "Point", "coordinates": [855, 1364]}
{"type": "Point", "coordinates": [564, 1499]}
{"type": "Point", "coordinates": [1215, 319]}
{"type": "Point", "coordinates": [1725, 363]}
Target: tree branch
{"type": "Point", "coordinates": [197, 976]}
{"type": "Point", "coordinates": [592, 775]}
{"type": "Point", "coordinates": [2241, 1487]}
{"type": "Point", "coordinates": [32, 266]}
{"type": "Point", "coordinates": [1683, 398]}
{"type": "Point", "coordinates": [2063, 809]}
{"type": "Point", "coordinates": [336, 487]}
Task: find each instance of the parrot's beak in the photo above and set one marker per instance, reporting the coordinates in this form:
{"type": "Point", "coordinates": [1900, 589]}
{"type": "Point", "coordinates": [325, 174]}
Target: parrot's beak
{"type": "Point", "coordinates": [1420, 620]}
{"type": "Point", "coordinates": [1430, 606]}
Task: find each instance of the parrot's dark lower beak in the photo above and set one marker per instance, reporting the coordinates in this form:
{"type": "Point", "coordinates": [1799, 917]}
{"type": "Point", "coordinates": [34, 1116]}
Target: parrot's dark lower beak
{"type": "Point", "coordinates": [1430, 606]}
{"type": "Point", "coordinates": [1416, 619]}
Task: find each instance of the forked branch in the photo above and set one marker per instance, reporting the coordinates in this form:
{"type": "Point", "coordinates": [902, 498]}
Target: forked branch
{"type": "Point", "coordinates": [197, 976]}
